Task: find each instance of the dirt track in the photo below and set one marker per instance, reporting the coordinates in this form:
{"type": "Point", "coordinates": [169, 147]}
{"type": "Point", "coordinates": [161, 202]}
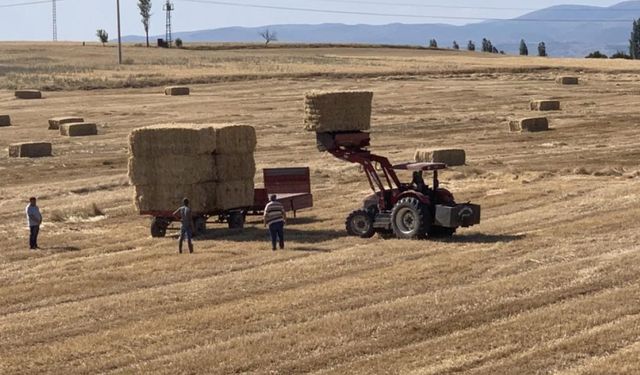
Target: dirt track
{"type": "Point", "coordinates": [547, 283]}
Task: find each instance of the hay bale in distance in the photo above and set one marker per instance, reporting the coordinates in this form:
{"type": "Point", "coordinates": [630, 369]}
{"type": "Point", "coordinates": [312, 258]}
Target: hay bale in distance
{"type": "Point", "coordinates": [79, 129]}
{"type": "Point", "coordinates": [532, 124]}
{"type": "Point", "coordinates": [5, 120]}
{"type": "Point", "coordinates": [28, 94]}
{"type": "Point", "coordinates": [30, 150]}
{"type": "Point", "coordinates": [567, 80]}
{"type": "Point", "coordinates": [451, 157]}
{"type": "Point", "coordinates": [545, 105]}
{"type": "Point", "coordinates": [54, 123]}
{"type": "Point", "coordinates": [337, 111]}
{"type": "Point", "coordinates": [176, 90]}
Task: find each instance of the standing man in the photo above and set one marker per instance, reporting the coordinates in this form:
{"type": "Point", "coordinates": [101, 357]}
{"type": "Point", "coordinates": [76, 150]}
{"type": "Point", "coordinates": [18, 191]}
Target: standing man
{"type": "Point", "coordinates": [275, 218]}
{"type": "Point", "coordinates": [34, 219]}
{"type": "Point", "coordinates": [186, 229]}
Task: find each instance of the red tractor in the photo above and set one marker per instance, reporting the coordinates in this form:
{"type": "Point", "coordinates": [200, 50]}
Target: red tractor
{"type": "Point", "coordinates": [404, 210]}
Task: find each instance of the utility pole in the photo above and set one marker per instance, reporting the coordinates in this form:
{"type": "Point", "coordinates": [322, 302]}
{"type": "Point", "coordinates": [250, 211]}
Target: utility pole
{"type": "Point", "coordinates": [119, 34]}
{"type": "Point", "coordinates": [168, 7]}
{"type": "Point", "coordinates": [54, 20]}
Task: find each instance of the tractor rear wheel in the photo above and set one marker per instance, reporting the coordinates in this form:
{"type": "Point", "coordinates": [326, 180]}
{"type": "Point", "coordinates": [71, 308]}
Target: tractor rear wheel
{"type": "Point", "coordinates": [410, 219]}
{"type": "Point", "coordinates": [360, 224]}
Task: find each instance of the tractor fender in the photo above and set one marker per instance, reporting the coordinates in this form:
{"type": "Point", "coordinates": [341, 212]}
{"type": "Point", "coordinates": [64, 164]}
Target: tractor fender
{"type": "Point", "coordinates": [444, 196]}
{"type": "Point", "coordinates": [414, 194]}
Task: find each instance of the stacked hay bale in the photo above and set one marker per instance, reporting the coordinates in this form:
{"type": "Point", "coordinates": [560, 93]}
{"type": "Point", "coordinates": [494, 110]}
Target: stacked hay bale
{"type": "Point", "coordinates": [212, 165]}
{"type": "Point", "coordinates": [28, 94]}
{"type": "Point", "coordinates": [532, 124]}
{"type": "Point", "coordinates": [567, 80]}
{"type": "Point", "coordinates": [545, 105]}
{"type": "Point", "coordinates": [78, 129]}
{"type": "Point", "coordinates": [30, 150]}
{"type": "Point", "coordinates": [450, 157]}
{"type": "Point", "coordinates": [337, 111]}
{"type": "Point", "coordinates": [176, 90]}
{"type": "Point", "coordinates": [54, 123]}
{"type": "Point", "coordinates": [5, 120]}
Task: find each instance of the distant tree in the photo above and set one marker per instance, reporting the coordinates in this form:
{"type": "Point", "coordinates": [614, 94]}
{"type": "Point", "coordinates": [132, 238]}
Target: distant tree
{"type": "Point", "coordinates": [471, 46]}
{"type": "Point", "coordinates": [502, 52]}
{"type": "Point", "coordinates": [103, 36]}
{"type": "Point", "coordinates": [524, 50]}
{"type": "Point", "coordinates": [494, 50]}
{"type": "Point", "coordinates": [620, 55]}
{"type": "Point", "coordinates": [634, 41]}
{"type": "Point", "coordinates": [268, 36]}
{"type": "Point", "coordinates": [487, 46]}
{"type": "Point", "coordinates": [542, 49]}
{"type": "Point", "coordinates": [433, 43]}
{"type": "Point", "coordinates": [596, 55]}
{"type": "Point", "coordinates": [145, 11]}
{"type": "Point", "coordinates": [455, 45]}
{"type": "Point", "coordinates": [179, 43]}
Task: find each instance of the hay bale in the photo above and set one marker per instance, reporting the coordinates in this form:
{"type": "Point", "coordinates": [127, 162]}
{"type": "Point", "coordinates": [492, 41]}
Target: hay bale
{"type": "Point", "coordinates": [172, 170]}
{"type": "Point", "coordinates": [451, 157]}
{"type": "Point", "coordinates": [168, 197]}
{"type": "Point", "coordinates": [337, 111]}
{"type": "Point", "coordinates": [54, 123]}
{"type": "Point", "coordinates": [28, 94]}
{"type": "Point", "coordinates": [567, 80]}
{"type": "Point", "coordinates": [79, 129]}
{"type": "Point", "coordinates": [532, 124]}
{"type": "Point", "coordinates": [5, 120]}
{"type": "Point", "coordinates": [176, 90]}
{"type": "Point", "coordinates": [234, 194]}
{"type": "Point", "coordinates": [172, 139]}
{"type": "Point", "coordinates": [235, 139]}
{"type": "Point", "coordinates": [545, 105]}
{"type": "Point", "coordinates": [235, 167]}
{"type": "Point", "coordinates": [30, 150]}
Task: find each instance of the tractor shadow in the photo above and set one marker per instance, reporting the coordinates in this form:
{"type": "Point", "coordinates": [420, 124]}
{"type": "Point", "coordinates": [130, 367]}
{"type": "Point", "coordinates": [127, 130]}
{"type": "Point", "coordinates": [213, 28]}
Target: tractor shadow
{"type": "Point", "coordinates": [256, 234]}
{"type": "Point", "coordinates": [482, 238]}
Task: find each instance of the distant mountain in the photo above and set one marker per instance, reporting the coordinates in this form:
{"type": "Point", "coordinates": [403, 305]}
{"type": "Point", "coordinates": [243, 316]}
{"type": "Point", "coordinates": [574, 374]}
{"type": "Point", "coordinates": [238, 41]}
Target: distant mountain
{"type": "Point", "coordinates": [587, 29]}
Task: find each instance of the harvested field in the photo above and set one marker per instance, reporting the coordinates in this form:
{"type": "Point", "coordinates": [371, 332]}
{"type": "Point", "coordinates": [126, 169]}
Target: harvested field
{"type": "Point", "coordinates": [79, 129]}
{"type": "Point", "coordinates": [547, 284]}
{"type": "Point", "coordinates": [54, 123]}
{"type": "Point", "coordinates": [5, 120]}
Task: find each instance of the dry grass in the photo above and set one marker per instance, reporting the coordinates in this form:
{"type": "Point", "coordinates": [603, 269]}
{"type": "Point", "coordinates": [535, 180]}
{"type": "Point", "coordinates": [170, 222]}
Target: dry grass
{"type": "Point", "coordinates": [548, 283]}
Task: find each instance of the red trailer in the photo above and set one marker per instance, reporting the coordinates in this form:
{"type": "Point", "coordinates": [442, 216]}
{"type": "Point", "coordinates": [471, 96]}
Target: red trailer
{"type": "Point", "coordinates": [292, 187]}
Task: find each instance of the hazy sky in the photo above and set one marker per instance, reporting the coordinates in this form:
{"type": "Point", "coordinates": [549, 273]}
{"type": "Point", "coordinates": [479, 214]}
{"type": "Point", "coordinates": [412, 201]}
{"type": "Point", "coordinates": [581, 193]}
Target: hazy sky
{"type": "Point", "coordinates": [78, 19]}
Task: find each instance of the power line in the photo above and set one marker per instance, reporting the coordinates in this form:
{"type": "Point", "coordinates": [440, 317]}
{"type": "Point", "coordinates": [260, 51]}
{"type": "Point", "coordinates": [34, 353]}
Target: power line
{"type": "Point", "coordinates": [26, 3]}
{"type": "Point", "coordinates": [377, 14]}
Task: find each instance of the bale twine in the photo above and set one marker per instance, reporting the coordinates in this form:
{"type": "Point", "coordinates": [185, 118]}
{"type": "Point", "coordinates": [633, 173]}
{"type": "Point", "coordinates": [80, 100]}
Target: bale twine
{"type": "Point", "coordinates": [532, 124]}
{"type": "Point", "coordinates": [5, 120]}
{"type": "Point", "coordinates": [545, 105]}
{"type": "Point", "coordinates": [30, 150]}
{"type": "Point", "coordinates": [337, 111]}
{"type": "Point", "coordinates": [450, 157]}
{"type": "Point", "coordinates": [79, 129]}
{"type": "Point", "coordinates": [567, 80]}
{"type": "Point", "coordinates": [176, 90]}
{"type": "Point", "coordinates": [28, 94]}
{"type": "Point", "coordinates": [54, 123]}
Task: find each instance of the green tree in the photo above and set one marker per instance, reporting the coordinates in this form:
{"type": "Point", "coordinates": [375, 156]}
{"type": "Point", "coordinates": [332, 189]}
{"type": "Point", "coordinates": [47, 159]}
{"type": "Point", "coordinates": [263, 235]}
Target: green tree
{"type": "Point", "coordinates": [179, 43]}
{"type": "Point", "coordinates": [433, 43]}
{"type": "Point", "coordinates": [542, 49]}
{"type": "Point", "coordinates": [471, 46]}
{"type": "Point", "coordinates": [145, 12]}
{"type": "Point", "coordinates": [524, 50]}
{"type": "Point", "coordinates": [487, 46]}
{"type": "Point", "coordinates": [455, 45]}
{"type": "Point", "coordinates": [596, 55]}
{"type": "Point", "coordinates": [103, 36]}
{"type": "Point", "coordinates": [634, 42]}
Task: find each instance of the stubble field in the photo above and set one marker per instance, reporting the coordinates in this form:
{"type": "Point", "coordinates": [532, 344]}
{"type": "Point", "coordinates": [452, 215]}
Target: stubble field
{"type": "Point", "coordinates": [548, 283]}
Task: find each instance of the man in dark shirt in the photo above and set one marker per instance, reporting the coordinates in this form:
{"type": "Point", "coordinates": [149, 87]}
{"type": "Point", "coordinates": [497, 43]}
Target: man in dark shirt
{"type": "Point", "coordinates": [186, 228]}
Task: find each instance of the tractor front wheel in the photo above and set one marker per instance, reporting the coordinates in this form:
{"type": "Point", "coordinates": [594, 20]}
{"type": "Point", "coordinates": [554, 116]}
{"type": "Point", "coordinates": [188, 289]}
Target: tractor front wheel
{"type": "Point", "coordinates": [360, 224]}
{"type": "Point", "coordinates": [410, 219]}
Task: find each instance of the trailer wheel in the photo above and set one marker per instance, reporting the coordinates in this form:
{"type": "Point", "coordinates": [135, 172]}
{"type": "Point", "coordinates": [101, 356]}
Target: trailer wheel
{"type": "Point", "coordinates": [410, 219]}
{"type": "Point", "coordinates": [236, 220]}
{"type": "Point", "coordinates": [360, 224]}
{"type": "Point", "coordinates": [200, 224]}
{"type": "Point", "coordinates": [159, 227]}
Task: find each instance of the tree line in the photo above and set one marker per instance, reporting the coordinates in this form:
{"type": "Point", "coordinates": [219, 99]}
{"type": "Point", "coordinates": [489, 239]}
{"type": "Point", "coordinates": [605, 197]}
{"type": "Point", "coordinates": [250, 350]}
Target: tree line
{"type": "Point", "coordinates": [487, 46]}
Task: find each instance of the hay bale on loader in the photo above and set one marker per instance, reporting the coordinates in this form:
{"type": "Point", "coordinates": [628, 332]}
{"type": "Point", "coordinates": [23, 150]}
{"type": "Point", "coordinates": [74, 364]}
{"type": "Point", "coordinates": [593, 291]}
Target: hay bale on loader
{"type": "Point", "coordinates": [213, 165]}
{"type": "Point", "coordinates": [337, 111]}
{"type": "Point", "coordinates": [5, 120]}
{"type": "Point", "coordinates": [30, 150]}
{"type": "Point", "coordinates": [531, 124]}
{"type": "Point", "coordinates": [79, 129]}
{"type": "Point", "coordinates": [28, 94]}
{"type": "Point", "coordinates": [545, 105]}
{"type": "Point", "coordinates": [54, 123]}
{"type": "Point", "coordinates": [451, 157]}
{"type": "Point", "coordinates": [564, 80]}
{"type": "Point", "coordinates": [176, 90]}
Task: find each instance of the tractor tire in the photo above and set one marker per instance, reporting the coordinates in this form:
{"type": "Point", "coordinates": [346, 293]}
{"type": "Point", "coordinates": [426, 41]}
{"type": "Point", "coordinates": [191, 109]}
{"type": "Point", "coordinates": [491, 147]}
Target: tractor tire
{"type": "Point", "coordinates": [200, 224]}
{"type": "Point", "coordinates": [410, 219]}
{"type": "Point", "coordinates": [360, 224]}
{"type": "Point", "coordinates": [159, 227]}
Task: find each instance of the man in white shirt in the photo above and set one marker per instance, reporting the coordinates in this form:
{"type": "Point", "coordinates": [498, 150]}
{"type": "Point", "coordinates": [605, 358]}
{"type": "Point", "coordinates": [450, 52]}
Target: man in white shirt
{"type": "Point", "coordinates": [34, 219]}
